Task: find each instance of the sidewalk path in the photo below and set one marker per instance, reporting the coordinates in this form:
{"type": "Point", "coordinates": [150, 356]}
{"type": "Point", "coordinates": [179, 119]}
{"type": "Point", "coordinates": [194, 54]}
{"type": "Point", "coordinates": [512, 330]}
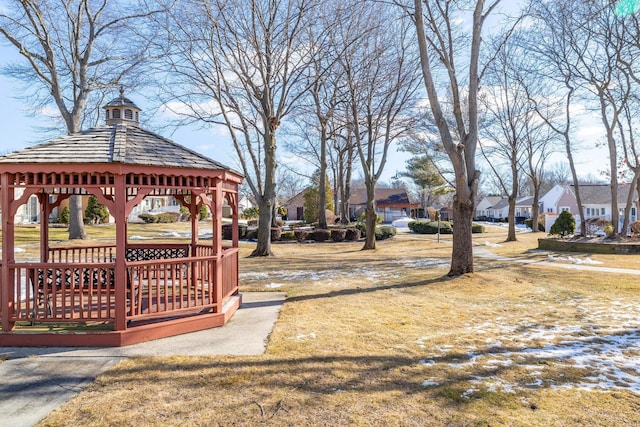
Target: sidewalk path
{"type": "Point", "coordinates": [36, 380]}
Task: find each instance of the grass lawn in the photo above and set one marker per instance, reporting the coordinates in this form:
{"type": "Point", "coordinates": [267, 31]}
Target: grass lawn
{"type": "Point", "coordinates": [385, 338]}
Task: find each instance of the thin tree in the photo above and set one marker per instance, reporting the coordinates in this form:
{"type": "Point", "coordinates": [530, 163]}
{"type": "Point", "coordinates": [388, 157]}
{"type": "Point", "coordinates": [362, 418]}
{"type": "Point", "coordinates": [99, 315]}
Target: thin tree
{"type": "Point", "coordinates": [553, 95]}
{"type": "Point", "coordinates": [73, 52]}
{"type": "Point", "coordinates": [382, 83]}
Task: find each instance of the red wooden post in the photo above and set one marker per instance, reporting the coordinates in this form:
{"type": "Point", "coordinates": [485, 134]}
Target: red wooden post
{"type": "Point", "coordinates": [44, 227]}
{"type": "Point", "coordinates": [7, 252]}
{"type": "Point", "coordinates": [217, 242]}
{"type": "Point", "coordinates": [120, 216]}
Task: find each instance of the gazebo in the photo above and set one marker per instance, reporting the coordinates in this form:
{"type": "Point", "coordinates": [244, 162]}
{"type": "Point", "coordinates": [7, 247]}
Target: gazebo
{"type": "Point", "coordinates": [127, 292]}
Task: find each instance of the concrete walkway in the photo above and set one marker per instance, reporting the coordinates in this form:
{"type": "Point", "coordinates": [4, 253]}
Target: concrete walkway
{"type": "Point", "coordinates": [36, 380]}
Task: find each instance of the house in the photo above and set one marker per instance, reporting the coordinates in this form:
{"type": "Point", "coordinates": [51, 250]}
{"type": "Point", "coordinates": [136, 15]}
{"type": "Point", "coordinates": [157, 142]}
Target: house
{"type": "Point", "coordinates": [496, 208]}
{"type": "Point", "coordinates": [391, 203]}
{"type": "Point", "coordinates": [560, 198]}
{"type": "Point", "coordinates": [595, 199]}
{"type": "Point", "coordinates": [483, 205]}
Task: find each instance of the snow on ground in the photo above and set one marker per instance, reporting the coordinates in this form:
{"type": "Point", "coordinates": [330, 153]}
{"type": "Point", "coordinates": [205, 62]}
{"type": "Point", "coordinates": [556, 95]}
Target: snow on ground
{"type": "Point", "coordinates": [604, 342]}
{"type": "Point", "coordinates": [335, 277]}
{"type": "Point", "coordinates": [573, 260]}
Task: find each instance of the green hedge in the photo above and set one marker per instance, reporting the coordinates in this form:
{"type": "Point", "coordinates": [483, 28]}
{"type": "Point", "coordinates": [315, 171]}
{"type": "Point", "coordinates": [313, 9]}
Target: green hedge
{"type": "Point", "coordinates": [422, 227]}
{"type": "Point", "coordinates": [477, 228]}
{"type": "Point", "coordinates": [446, 227]}
{"type": "Point", "coordinates": [384, 232]}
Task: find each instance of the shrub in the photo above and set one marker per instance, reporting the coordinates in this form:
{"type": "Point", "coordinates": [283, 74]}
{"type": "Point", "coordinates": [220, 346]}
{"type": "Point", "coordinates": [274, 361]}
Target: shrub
{"type": "Point", "coordinates": [352, 234]}
{"type": "Point", "coordinates": [167, 217]}
{"type": "Point", "coordinates": [363, 218]}
{"type": "Point", "coordinates": [148, 218]}
{"type": "Point", "coordinates": [362, 228]}
{"type": "Point", "coordinates": [421, 227]}
{"type": "Point", "coordinates": [594, 225]}
{"type": "Point", "coordinates": [635, 227]}
{"type": "Point", "coordinates": [185, 213]}
{"type": "Point", "coordinates": [608, 230]}
{"type": "Point", "coordinates": [251, 213]}
{"type": "Point", "coordinates": [338, 234]}
{"type": "Point", "coordinates": [203, 213]}
{"type": "Point", "coordinates": [287, 236]}
{"type": "Point", "coordinates": [384, 232]}
{"type": "Point", "coordinates": [63, 216]}
{"type": "Point", "coordinates": [276, 233]}
{"type": "Point", "coordinates": [96, 213]}
{"type": "Point", "coordinates": [301, 235]}
{"type": "Point", "coordinates": [322, 235]}
{"type": "Point", "coordinates": [565, 224]}
{"type": "Point", "coordinates": [479, 228]}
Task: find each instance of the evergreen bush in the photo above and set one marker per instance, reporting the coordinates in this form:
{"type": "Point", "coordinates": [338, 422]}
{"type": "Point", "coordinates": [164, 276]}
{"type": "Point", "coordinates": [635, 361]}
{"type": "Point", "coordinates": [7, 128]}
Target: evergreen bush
{"type": "Point", "coordinates": [565, 225]}
{"type": "Point", "coordinates": [384, 232]}
{"type": "Point", "coordinates": [479, 228]}
{"type": "Point", "coordinates": [148, 218]}
{"type": "Point", "coordinates": [63, 216]}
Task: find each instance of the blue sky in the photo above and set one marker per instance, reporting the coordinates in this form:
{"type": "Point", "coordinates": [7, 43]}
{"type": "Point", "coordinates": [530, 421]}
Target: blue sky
{"type": "Point", "coordinates": [20, 130]}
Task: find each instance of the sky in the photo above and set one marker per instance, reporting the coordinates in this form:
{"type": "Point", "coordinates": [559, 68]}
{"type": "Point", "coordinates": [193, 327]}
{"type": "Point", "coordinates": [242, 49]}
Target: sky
{"type": "Point", "coordinates": [20, 130]}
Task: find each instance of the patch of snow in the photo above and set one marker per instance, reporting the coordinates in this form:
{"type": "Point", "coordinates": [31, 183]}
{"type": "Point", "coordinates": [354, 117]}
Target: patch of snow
{"type": "Point", "coordinates": [492, 245]}
{"type": "Point", "coordinates": [274, 285]}
{"type": "Point", "coordinates": [170, 234]}
{"type": "Point", "coordinates": [140, 238]}
{"type": "Point", "coordinates": [429, 383]}
{"type": "Point", "coordinates": [312, 335]}
{"type": "Point", "coordinates": [586, 260]}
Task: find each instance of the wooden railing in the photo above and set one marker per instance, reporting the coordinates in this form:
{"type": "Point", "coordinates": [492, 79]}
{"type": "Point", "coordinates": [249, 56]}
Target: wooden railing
{"type": "Point", "coordinates": [85, 290]}
{"type": "Point", "coordinates": [104, 253]}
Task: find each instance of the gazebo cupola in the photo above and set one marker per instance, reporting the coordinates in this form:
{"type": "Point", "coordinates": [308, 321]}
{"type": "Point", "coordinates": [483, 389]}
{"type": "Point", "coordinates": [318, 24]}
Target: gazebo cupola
{"type": "Point", "coordinates": [121, 110]}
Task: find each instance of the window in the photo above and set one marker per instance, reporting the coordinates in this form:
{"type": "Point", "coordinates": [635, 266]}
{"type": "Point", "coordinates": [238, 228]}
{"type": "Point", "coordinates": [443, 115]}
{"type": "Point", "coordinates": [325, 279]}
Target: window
{"type": "Point", "coordinates": [115, 114]}
{"type": "Point", "coordinates": [601, 211]}
{"type": "Point", "coordinates": [128, 114]}
{"type": "Point", "coordinates": [565, 208]}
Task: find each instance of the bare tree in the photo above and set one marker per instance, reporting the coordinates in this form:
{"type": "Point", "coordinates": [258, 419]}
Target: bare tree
{"type": "Point", "coordinates": [437, 38]}
{"type": "Point", "coordinates": [73, 52]}
{"type": "Point", "coordinates": [243, 65]}
{"type": "Point", "coordinates": [512, 129]}
{"type": "Point", "coordinates": [549, 42]}
{"type": "Point", "coordinates": [382, 83]}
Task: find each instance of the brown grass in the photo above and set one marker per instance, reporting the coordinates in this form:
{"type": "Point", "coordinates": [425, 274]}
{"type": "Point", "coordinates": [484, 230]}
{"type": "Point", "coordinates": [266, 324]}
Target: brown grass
{"type": "Point", "coordinates": [384, 338]}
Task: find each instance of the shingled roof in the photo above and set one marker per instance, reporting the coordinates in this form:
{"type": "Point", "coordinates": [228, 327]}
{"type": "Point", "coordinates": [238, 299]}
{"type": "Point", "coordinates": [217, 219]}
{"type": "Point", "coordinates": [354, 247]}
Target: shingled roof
{"type": "Point", "coordinates": [124, 144]}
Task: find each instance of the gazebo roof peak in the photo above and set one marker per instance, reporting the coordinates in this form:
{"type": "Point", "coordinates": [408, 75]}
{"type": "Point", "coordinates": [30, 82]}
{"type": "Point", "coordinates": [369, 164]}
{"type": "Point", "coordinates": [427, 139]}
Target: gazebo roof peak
{"type": "Point", "coordinates": [121, 110]}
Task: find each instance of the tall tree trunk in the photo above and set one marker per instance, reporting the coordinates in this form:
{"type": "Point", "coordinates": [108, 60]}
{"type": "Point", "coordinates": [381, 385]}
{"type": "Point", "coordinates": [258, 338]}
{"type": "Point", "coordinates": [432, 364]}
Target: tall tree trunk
{"type": "Point", "coordinates": [535, 206]}
{"type": "Point", "coordinates": [322, 188]}
{"type": "Point", "coordinates": [76, 219]}
{"type": "Point", "coordinates": [371, 217]}
{"type": "Point", "coordinates": [267, 201]}
{"type": "Point", "coordinates": [462, 253]}
{"type": "Point", "coordinates": [511, 233]}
